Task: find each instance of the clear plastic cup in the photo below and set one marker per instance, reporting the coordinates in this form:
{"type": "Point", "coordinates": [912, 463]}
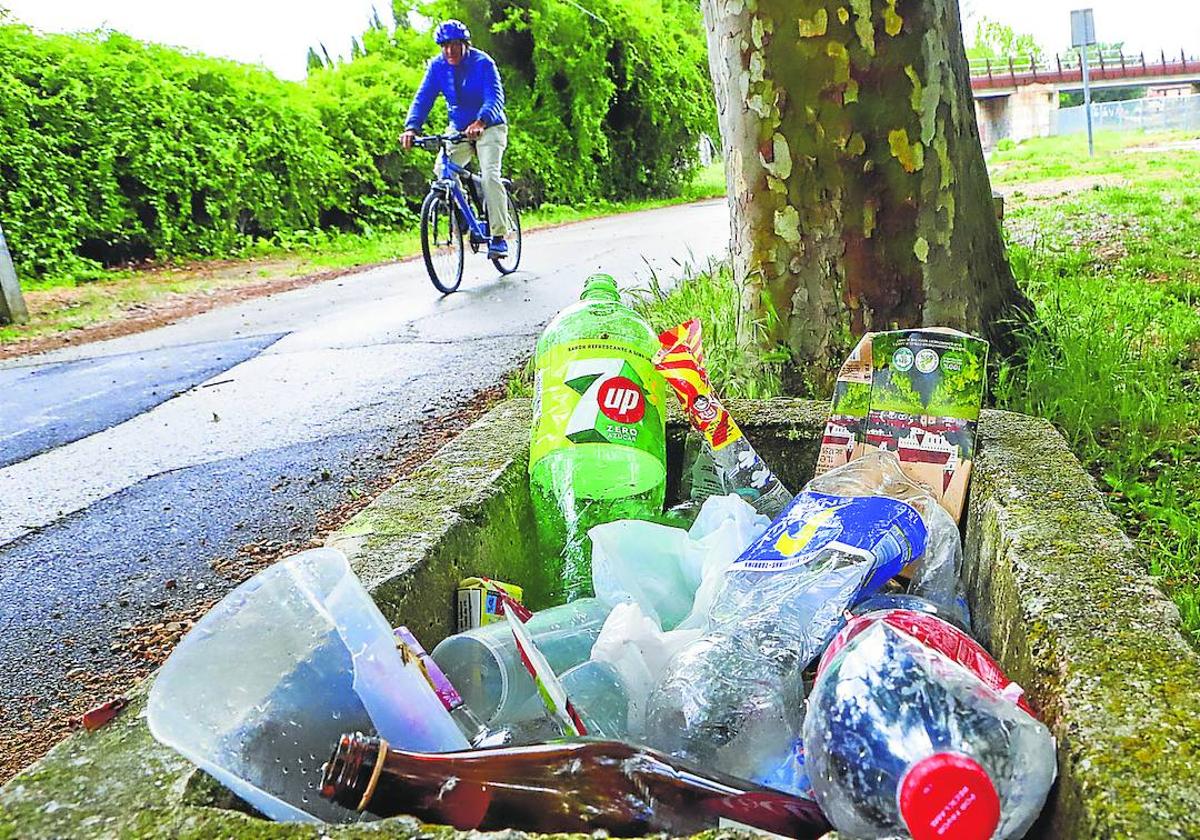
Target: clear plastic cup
{"type": "Point", "coordinates": [260, 690]}
{"type": "Point", "coordinates": [483, 664]}
{"type": "Point", "coordinates": [600, 698]}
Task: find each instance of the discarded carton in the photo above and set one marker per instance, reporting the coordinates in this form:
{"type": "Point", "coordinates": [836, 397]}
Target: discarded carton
{"type": "Point", "coordinates": [916, 393]}
{"type": "Point", "coordinates": [478, 601]}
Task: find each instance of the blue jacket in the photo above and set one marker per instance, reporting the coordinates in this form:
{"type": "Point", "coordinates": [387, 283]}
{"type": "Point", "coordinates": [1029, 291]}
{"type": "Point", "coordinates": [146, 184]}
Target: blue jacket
{"type": "Point", "coordinates": [472, 90]}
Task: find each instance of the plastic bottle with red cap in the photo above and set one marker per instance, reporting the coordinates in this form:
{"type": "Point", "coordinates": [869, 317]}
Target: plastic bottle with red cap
{"type": "Point", "coordinates": [914, 731]}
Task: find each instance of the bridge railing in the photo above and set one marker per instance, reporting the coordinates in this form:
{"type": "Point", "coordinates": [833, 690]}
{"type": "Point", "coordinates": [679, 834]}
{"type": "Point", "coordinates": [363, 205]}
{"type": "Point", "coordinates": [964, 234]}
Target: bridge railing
{"type": "Point", "coordinates": [1065, 67]}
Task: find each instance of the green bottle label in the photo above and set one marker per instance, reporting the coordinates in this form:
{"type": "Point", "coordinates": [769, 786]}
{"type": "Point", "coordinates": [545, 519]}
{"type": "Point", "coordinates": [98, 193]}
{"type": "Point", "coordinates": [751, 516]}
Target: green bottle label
{"type": "Point", "coordinates": [597, 392]}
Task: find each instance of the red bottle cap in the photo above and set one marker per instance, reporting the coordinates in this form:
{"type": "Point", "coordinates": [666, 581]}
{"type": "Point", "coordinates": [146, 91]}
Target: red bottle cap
{"type": "Point", "coordinates": [949, 796]}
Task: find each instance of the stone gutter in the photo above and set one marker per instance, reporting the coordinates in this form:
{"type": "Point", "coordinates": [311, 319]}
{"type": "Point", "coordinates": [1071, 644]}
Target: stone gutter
{"type": "Point", "coordinates": [1058, 592]}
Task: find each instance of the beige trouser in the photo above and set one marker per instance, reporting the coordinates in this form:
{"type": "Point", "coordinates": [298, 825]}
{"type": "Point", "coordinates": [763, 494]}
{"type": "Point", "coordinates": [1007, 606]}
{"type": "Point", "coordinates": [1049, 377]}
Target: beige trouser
{"type": "Point", "coordinates": [489, 148]}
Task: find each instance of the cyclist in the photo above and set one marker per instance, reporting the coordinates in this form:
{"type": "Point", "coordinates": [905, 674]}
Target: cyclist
{"type": "Point", "coordinates": [468, 79]}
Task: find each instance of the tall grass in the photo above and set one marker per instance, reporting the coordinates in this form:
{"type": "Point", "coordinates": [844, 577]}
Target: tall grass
{"type": "Point", "coordinates": [710, 295]}
{"type": "Point", "coordinates": [1112, 357]}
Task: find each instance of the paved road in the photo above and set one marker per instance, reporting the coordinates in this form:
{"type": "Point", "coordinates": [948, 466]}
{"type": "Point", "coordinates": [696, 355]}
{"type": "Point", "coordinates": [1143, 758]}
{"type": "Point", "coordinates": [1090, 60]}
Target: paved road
{"type": "Point", "coordinates": [129, 467]}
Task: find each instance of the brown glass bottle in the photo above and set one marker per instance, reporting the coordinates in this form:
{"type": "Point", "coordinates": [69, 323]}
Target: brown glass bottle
{"type": "Point", "coordinates": [571, 786]}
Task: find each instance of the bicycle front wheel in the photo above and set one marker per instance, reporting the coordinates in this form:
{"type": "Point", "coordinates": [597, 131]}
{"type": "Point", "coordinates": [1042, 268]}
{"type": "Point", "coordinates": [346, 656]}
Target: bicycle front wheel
{"type": "Point", "coordinates": [508, 264]}
{"type": "Point", "coordinates": [442, 242]}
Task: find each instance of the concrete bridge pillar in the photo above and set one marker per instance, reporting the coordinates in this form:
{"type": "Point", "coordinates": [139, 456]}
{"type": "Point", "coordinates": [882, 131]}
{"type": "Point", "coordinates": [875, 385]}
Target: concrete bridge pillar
{"type": "Point", "coordinates": [1032, 107]}
{"type": "Point", "coordinates": [991, 114]}
{"type": "Point", "coordinates": [1025, 113]}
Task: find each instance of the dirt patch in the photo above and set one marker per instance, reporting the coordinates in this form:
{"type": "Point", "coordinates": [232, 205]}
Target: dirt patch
{"type": "Point", "coordinates": [29, 732]}
{"type": "Point", "coordinates": [1105, 233]}
{"type": "Point", "coordinates": [233, 284]}
{"type": "Point", "coordinates": [1181, 146]}
{"type": "Point", "coordinates": [1057, 187]}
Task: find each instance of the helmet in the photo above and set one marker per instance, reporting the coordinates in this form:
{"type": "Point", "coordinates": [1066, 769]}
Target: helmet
{"type": "Point", "coordinates": [451, 30]}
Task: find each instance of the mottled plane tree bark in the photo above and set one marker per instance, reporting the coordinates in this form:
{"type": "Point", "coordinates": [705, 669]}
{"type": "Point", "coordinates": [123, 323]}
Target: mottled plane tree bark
{"type": "Point", "coordinates": [858, 191]}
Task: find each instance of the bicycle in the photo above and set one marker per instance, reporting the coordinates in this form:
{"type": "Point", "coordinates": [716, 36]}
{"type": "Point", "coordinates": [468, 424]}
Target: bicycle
{"type": "Point", "coordinates": [448, 210]}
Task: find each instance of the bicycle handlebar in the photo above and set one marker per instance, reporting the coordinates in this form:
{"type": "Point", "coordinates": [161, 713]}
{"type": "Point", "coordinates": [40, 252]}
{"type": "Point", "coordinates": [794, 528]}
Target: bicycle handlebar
{"type": "Point", "coordinates": [432, 141]}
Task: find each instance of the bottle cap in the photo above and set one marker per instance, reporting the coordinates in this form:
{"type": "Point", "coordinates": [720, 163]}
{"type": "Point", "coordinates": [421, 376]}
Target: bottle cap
{"type": "Point", "coordinates": [948, 795]}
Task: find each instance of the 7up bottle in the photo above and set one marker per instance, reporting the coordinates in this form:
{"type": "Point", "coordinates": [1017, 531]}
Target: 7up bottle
{"type": "Point", "coordinates": [598, 449]}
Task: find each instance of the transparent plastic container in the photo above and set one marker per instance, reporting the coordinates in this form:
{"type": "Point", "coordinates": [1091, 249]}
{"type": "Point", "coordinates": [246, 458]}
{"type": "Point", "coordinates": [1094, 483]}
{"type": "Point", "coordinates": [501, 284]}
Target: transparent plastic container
{"type": "Point", "coordinates": [261, 689]}
{"type": "Point", "coordinates": [483, 664]}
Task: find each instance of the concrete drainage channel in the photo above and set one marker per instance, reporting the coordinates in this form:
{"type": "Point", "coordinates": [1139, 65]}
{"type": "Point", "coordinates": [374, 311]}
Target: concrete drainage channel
{"type": "Point", "coordinates": [1057, 591]}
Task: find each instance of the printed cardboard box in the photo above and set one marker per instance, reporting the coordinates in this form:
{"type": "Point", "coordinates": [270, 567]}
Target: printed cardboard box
{"type": "Point", "coordinates": [916, 393]}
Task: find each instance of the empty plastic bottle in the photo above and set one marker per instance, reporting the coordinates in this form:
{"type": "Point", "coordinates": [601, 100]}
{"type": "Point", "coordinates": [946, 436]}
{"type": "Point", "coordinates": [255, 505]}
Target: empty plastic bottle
{"type": "Point", "coordinates": [934, 632]}
{"type": "Point", "coordinates": [902, 741]}
{"type": "Point", "coordinates": [598, 450]}
{"type": "Point", "coordinates": [732, 699]}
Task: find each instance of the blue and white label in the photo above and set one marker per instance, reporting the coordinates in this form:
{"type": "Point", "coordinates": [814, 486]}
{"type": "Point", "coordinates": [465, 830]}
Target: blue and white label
{"type": "Point", "coordinates": [885, 532]}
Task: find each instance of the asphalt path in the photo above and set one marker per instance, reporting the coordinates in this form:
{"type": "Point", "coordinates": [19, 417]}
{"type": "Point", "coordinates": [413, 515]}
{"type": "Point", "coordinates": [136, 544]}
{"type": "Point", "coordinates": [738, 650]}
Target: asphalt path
{"type": "Point", "coordinates": [131, 469]}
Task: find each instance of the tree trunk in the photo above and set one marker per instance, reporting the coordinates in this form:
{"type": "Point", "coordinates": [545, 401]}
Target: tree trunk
{"type": "Point", "coordinates": [857, 186]}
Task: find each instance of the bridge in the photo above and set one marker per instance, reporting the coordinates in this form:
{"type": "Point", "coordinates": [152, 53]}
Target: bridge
{"type": "Point", "coordinates": [1016, 98]}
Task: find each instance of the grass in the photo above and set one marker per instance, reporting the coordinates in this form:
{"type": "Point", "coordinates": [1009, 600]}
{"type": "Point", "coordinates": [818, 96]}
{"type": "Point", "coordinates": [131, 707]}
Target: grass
{"type": "Point", "coordinates": [1046, 158]}
{"type": "Point", "coordinates": [710, 295]}
{"type": "Point", "coordinates": [1113, 356]}
{"type": "Point", "coordinates": [84, 299]}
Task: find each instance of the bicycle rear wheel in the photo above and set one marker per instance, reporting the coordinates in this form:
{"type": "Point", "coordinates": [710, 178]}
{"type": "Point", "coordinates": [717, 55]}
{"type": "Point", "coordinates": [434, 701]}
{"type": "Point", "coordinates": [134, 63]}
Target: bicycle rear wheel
{"type": "Point", "coordinates": [508, 264]}
{"type": "Point", "coordinates": [442, 242]}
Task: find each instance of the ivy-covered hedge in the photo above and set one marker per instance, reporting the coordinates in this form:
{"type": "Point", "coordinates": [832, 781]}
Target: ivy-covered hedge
{"type": "Point", "coordinates": [114, 150]}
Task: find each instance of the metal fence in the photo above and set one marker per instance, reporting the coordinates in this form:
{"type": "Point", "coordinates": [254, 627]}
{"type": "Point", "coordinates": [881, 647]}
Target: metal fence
{"type": "Point", "coordinates": [1159, 113]}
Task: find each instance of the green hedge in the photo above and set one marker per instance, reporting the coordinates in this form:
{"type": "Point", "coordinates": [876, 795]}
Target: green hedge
{"type": "Point", "coordinates": [114, 150]}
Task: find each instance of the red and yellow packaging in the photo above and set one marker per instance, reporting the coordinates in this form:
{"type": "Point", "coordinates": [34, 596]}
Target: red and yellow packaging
{"type": "Point", "coordinates": [681, 362]}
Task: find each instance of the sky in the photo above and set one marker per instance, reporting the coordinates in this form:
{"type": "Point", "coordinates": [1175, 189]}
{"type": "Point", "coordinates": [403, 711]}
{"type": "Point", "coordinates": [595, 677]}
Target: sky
{"type": "Point", "coordinates": [1143, 25]}
{"type": "Point", "coordinates": [278, 33]}
{"type": "Point", "coordinates": [274, 33]}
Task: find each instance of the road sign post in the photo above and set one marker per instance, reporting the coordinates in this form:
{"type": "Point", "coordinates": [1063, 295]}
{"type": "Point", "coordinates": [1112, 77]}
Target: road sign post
{"type": "Point", "coordinates": [1083, 35]}
{"type": "Point", "coordinates": [12, 305]}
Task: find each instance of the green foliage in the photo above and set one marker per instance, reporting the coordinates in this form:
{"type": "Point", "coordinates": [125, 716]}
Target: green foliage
{"type": "Point", "coordinates": [1071, 99]}
{"type": "Point", "coordinates": [997, 40]}
{"type": "Point", "coordinates": [710, 294]}
{"type": "Point", "coordinates": [116, 150]}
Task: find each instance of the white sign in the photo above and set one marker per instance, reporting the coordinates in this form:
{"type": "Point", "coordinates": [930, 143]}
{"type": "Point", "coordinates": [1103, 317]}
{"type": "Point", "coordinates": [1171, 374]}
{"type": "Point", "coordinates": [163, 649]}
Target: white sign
{"type": "Point", "coordinates": [1083, 28]}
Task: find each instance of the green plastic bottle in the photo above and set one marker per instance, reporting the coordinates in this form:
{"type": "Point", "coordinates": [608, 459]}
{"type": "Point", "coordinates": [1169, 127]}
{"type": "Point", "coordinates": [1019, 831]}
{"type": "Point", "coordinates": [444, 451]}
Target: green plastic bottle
{"type": "Point", "coordinates": [598, 449]}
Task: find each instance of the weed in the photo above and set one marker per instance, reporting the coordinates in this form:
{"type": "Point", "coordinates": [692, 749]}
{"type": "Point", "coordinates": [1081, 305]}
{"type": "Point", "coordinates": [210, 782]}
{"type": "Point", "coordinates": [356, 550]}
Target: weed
{"type": "Point", "coordinates": [1112, 357]}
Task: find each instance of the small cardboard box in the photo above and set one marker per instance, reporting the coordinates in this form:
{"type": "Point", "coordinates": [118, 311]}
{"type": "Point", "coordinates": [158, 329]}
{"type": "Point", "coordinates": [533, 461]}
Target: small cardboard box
{"type": "Point", "coordinates": [478, 601]}
{"type": "Point", "coordinates": [917, 393]}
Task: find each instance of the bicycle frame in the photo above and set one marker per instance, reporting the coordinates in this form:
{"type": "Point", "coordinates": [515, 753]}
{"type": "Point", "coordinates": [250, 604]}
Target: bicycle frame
{"type": "Point", "coordinates": [448, 173]}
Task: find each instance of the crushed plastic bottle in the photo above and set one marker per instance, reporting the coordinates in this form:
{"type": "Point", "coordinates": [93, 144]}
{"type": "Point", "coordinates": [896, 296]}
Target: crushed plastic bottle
{"type": "Point", "coordinates": [914, 603]}
{"type": "Point", "coordinates": [598, 448]}
{"type": "Point", "coordinates": [935, 633]}
{"type": "Point", "coordinates": [904, 742]}
{"type": "Point", "coordinates": [733, 699]}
